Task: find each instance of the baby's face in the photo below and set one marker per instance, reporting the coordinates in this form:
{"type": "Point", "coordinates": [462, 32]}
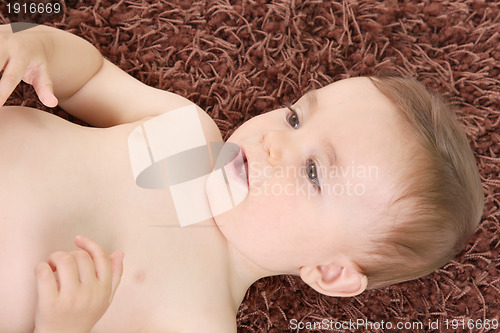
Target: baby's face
{"type": "Point", "coordinates": [319, 176]}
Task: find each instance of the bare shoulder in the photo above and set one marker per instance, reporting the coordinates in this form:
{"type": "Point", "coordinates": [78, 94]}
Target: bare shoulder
{"type": "Point", "coordinates": [210, 129]}
{"type": "Point", "coordinates": [212, 132]}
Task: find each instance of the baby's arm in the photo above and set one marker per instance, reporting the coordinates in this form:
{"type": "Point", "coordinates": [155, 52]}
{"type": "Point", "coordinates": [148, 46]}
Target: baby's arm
{"type": "Point", "coordinates": [75, 289]}
{"type": "Point", "coordinates": [86, 85]}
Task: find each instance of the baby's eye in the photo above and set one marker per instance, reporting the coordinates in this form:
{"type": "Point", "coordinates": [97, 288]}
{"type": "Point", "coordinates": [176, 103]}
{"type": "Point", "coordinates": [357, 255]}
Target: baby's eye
{"type": "Point", "coordinates": [312, 172]}
{"type": "Point", "coordinates": [293, 118]}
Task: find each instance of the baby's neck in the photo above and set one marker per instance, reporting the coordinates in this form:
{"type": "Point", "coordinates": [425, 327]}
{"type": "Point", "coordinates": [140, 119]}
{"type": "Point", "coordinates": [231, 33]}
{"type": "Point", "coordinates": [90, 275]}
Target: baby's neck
{"type": "Point", "coordinates": [241, 272]}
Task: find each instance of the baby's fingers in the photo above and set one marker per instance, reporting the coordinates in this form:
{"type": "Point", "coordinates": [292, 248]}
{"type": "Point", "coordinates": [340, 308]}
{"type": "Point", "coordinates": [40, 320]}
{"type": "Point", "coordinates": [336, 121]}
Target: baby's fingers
{"type": "Point", "coordinates": [108, 269]}
{"type": "Point", "coordinates": [99, 256]}
{"type": "Point", "coordinates": [46, 284]}
{"type": "Point", "coordinates": [116, 270]}
{"type": "Point", "coordinates": [66, 268]}
{"type": "Point", "coordinates": [40, 79]}
{"type": "Point", "coordinates": [10, 78]}
{"type": "Point", "coordinates": [86, 268]}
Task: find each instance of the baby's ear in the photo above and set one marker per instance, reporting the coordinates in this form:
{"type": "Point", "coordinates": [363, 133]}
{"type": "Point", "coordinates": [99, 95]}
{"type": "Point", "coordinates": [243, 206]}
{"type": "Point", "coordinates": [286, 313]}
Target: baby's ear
{"type": "Point", "coordinates": [334, 280]}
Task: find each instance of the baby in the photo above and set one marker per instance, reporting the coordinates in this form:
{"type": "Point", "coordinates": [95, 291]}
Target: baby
{"type": "Point", "coordinates": [361, 184]}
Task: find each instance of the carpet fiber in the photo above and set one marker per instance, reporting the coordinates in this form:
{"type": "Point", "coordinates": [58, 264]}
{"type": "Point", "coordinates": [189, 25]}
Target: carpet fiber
{"type": "Point", "coordinates": [240, 58]}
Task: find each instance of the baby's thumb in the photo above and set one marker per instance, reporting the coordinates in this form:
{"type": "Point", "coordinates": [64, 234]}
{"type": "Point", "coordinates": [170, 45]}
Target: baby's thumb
{"type": "Point", "coordinates": [43, 87]}
{"type": "Point", "coordinates": [117, 270]}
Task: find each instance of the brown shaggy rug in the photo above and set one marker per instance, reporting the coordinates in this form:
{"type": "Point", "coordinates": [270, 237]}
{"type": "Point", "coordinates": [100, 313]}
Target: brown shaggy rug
{"type": "Point", "coordinates": [239, 58]}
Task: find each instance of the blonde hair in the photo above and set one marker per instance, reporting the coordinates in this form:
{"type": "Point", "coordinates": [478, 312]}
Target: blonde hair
{"type": "Point", "coordinates": [441, 201]}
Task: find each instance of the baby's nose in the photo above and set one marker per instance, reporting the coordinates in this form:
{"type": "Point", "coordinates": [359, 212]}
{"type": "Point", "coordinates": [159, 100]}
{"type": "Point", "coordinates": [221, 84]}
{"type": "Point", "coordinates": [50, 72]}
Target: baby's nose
{"type": "Point", "coordinates": [273, 142]}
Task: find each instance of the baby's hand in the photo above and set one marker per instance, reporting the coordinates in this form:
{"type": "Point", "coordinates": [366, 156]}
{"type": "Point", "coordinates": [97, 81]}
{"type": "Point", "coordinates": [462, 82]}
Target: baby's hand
{"type": "Point", "coordinates": [23, 56]}
{"type": "Point", "coordinates": [75, 289]}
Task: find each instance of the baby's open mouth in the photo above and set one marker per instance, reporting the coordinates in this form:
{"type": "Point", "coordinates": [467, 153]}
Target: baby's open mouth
{"type": "Point", "coordinates": [241, 165]}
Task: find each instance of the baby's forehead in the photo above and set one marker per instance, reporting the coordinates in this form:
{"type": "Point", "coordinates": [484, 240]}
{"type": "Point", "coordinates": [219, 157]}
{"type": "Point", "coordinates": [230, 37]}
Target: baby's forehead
{"type": "Point", "coordinates": [357, 97]}
{"type": "Point", "coordinates": [356, 87]}
{"type": "Point", "coordinates": [356, 101]}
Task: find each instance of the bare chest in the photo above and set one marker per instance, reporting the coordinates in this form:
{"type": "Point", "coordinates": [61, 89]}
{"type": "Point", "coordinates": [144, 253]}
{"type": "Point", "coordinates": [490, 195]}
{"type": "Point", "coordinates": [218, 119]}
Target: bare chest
{"type": "Point", "coordinates": [61, 181]}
